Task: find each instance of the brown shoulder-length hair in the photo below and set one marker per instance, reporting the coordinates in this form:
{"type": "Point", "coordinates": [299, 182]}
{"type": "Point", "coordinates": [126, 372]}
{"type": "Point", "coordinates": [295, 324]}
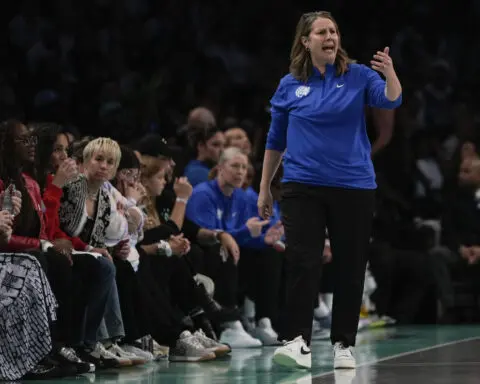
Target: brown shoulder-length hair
{"type": "Point", "coordinates": [301, 66]}
{"type": "Point", "coordinates": [150, 166]}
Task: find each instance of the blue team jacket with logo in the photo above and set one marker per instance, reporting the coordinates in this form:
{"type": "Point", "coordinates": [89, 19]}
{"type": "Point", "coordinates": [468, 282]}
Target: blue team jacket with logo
{"type": "Point", "coordinates": [209, 208]}
{"type": "Point", "coordinates": [320, 125]}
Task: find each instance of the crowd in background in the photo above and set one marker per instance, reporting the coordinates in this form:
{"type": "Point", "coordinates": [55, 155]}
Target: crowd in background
{"type": "Point", "coordinates": [137, 71]}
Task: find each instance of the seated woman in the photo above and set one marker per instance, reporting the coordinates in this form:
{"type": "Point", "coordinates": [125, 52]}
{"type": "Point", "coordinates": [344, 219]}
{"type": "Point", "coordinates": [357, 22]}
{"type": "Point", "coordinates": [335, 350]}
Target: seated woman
{"type": "Point", "coordinates": [30, 235]}
{"type": "Point", "coordinates": [153, 272]}
{"type": "Point", "coordinates": [87, 211]}
{"type": "Point", "coordinates": [27, 307]}
{"type": "Point", "coordinates": [93, 276]}
{"type": "Point", "coordinates": [222, 205]}
{"type": "Point", "coordinates": [205, 243]}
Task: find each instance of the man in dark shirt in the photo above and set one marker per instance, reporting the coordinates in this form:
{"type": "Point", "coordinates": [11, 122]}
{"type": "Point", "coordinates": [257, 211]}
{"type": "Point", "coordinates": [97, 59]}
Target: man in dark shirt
{"type": "Point", "coordinates": [459, 256]}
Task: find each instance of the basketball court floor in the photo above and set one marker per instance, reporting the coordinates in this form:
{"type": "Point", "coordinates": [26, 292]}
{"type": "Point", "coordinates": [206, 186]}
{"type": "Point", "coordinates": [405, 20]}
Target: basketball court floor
{"type": "Point", "coordinates": [410, 355]}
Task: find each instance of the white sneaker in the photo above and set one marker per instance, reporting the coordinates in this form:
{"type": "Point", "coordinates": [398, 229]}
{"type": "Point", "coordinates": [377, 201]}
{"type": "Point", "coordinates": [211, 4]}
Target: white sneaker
{"type": "Point", "coordinates": [265, 333]}
{"type": "Point", "coordinates": [236, 337]}
{"type": "Point", "coordinates": [147, 356]}
{"type": "Point", "coordinates": [188, 348]}
{"type": "Point", "coordinates": [343, 357]}
{"type": "Point", "coordinates": [120, 352]}
{"type": "Point", "coordinates": [214, 346]}
{"type": "Point", "coordinates": [294, 354]}
{"type": "Point", "coordinates": [101, 353]}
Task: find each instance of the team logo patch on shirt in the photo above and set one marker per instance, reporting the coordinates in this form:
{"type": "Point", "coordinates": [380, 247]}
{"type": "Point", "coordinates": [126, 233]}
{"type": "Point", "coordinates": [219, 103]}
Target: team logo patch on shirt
{"type": "Point", "coordinates": [302, 91]}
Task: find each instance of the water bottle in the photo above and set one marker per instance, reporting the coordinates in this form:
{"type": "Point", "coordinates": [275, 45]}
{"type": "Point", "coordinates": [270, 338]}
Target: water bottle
{"type": "Point", "coordinates": [7, 204]}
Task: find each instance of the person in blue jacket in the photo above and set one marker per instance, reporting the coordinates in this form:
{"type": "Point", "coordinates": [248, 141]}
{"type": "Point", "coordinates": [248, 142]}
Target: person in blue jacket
{"type": "Point", "coordinates": [208, 142]}
{"type": "Point", "coordinates": [318, 127]}
{"type": "Point", "coordinates": [222, 205]}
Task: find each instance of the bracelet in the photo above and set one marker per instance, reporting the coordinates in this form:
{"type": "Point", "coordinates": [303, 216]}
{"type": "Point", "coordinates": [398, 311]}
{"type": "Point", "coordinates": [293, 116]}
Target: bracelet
{"type": "Point", "coordinates": [181, 200]}
{"type": "Point", "coordinates": [163, 248]}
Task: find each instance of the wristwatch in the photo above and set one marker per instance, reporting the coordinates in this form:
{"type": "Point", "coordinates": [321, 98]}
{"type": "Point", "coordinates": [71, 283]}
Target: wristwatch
{"type": "Point", "coordinates": [163, 248]}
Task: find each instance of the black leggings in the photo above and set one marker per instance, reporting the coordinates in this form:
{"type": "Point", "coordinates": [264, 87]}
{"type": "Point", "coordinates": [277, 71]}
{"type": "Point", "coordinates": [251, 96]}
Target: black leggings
{"type": "Point", "coordinates": [71, 286]}
{"type": "Point", "coordinates": [260, 272]}
{"type": "Point", "coordinates": [155, 299]}
{"type": "Point", "coordinates": [223, 273]}
{"type": "Point", "coordinates": [306, 212]}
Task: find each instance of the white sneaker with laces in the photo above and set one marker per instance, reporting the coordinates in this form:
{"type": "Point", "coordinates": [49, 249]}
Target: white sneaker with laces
{"type": "Point", "coordinates": [214, 346]}
{"type": "Point", "coordinates": [119, 352]}
{"type": "Point", "coordinates": [236, 337]}
{"type": "Point", "coordinates": [147, 356]}
{"type": "Point", "coordinates": [265, 332]}
{"type": "Point", "coordinates": [189, 349]}
{"type": "Point", "coordinates": [101, 353]}
{"type": "Point", "coordinates": [343, 357]}
{"type": "Point", "coordinates": [294, 354]}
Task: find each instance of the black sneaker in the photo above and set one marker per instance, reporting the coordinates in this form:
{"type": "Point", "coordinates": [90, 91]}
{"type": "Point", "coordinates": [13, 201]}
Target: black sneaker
{"type": "Point", "coordinates": [68, 355]}
{"type": "Point", "coordinates": [50, 369]}
{"type": "Point", "coordinates": [99, 356]}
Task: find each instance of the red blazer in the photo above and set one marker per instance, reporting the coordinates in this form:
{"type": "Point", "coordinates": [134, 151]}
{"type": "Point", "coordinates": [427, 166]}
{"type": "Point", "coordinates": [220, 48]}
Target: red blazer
{"type": "Point", "coordinates": [23, 243]}
{"type": "Point", "coordinates": [51, 199]}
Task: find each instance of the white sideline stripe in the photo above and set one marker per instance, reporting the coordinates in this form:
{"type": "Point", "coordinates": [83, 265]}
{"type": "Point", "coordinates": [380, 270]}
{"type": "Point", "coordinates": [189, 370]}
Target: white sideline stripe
{"type": "Point", "coordinates": [373, 362]}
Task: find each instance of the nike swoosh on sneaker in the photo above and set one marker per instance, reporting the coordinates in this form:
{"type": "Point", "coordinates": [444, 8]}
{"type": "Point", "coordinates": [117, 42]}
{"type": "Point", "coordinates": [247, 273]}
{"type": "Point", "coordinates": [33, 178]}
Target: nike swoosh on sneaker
{"type": "Point", "coordinates": [305, 352]}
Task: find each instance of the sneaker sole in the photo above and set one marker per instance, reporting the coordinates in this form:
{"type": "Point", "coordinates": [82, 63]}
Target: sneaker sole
{"type": "Point", "coordinates": [139, 361]}
{"type": "Point", "coordinates": [287, 361]}
{"type": "Point", "coordinates": [243, 346]}
{"type": "Point", "coordinates": [220, 352]}
{"type": "Point", "coordinates": [122, 364]}
{"type": "Point", "coordinates": [179, 359]}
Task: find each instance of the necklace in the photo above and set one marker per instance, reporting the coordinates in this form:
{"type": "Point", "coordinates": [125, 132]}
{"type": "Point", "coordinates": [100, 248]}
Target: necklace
{"type": "Point", "coordinates": [92, 195]}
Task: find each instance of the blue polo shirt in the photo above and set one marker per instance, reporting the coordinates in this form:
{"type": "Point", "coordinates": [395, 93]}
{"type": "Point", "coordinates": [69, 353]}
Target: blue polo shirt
{"type": "Point", "coordinates": [209, 208]}
{"type": "Point", "coordinates": [321, 126]}
{"type": "Point", "coordinates": [196, 172]}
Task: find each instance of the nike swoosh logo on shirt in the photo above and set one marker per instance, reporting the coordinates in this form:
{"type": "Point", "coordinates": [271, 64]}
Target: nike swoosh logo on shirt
{"type": "Point", "coordinates": [340, 85]}
{"type": "Point", "coordinates": [305, 352]}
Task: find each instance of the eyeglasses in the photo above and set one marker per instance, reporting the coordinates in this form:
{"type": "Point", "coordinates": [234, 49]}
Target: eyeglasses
{"type": "Point", "coordinates": [130, 174]}
{"type": "Point", "coordinates": [27, 140]}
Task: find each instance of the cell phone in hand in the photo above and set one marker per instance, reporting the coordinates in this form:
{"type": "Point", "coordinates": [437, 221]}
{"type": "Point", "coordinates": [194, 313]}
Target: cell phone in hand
{"type": "Point", "coordinates": [7, 204]}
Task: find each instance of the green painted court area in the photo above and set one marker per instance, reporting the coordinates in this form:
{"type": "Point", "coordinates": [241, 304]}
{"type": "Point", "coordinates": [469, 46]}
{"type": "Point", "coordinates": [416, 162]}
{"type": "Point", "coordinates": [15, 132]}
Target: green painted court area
{"type": "Point", "coordinates": [410, 355]}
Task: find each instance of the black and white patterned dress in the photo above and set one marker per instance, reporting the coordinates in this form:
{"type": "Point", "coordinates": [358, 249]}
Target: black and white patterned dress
{"type": "Point", "coordinates": [27, 306]}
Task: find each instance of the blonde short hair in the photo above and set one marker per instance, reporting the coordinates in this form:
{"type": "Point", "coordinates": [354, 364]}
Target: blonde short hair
{"type": "Point", "coordinates": [103, 144]}
{"type": "Point", "coordinates": [229, 154]}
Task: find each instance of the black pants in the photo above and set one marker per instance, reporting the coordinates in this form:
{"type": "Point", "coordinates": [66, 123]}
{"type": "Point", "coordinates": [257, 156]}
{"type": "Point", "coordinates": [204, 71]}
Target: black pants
{"type": "Point", "coordinates": [132, 302]}
{"type": "Point", "coordinates": [223, 273]}
{"type": "Point", "coordinates": [260, 272]}
{"type": "Point", "coordinates": [72, 288]}
{"type": "Point", "coordinates": [146, 307]}
{"type": "Point", "coordinates": [448, 267]}
{"type": "Point", "coordinates": [347, 213]}
{"type": "Point", "coordinates": [403, 281]}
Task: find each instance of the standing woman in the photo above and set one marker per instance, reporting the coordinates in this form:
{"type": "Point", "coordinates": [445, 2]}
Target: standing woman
{"type": "Point", "coordinates": [318, 125]}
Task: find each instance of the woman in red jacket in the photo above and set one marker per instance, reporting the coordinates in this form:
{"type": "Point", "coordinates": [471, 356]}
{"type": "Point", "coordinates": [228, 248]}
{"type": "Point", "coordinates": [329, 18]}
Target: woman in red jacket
{"type": "Point", "coordinates": [29, 235]}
